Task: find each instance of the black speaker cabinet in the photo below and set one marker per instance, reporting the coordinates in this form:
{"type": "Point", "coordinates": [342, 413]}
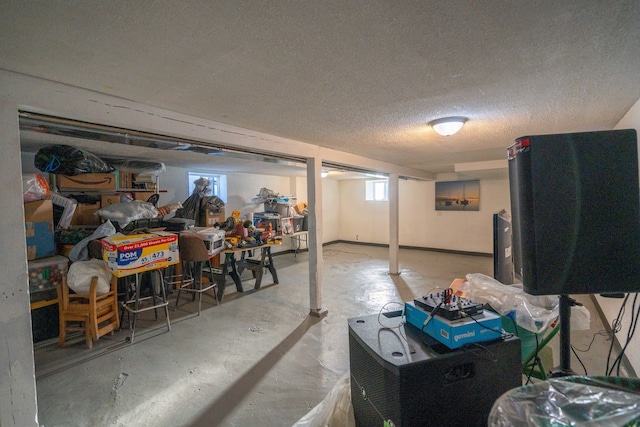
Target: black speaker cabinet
{"type": "Point", "coordinates": [418, 382]}
{"type": "Point", "coordinates": [575, 204]}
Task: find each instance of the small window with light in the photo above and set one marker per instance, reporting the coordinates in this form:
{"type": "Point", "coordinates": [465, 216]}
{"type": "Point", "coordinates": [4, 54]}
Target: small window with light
{"type": "Point", "coordinates": [377, 190]}
{"type": "Point", "coordinates": [218, 183]}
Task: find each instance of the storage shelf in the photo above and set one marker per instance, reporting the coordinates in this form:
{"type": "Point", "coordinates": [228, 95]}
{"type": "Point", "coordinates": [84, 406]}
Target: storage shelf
{"type": "Point", "coordinates": [136, 190]}
{"type": "Point", "coordinates": [44, 303]}
{"type": "Point", "coordinates": [114, 190]}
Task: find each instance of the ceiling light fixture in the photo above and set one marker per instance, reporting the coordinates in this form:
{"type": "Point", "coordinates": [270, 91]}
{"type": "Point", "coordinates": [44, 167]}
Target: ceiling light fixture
{"type": "Point", "coordinates": [447, 126]}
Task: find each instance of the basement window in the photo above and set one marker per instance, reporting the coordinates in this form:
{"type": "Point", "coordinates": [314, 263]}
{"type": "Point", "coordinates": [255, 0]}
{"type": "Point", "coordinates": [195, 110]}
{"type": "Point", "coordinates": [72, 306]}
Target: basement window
{"type": "Point", "coordinates": [377, 190]}
{"type": "Point", "coordinates": [218, 184]}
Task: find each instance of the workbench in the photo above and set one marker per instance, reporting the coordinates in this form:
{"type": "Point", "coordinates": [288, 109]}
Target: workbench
{"type": "Point", "coordinates": [234, 267]}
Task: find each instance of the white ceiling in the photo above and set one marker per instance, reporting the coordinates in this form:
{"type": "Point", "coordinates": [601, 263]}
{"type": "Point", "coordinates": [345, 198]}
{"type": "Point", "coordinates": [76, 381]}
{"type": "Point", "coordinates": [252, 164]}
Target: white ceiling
{"type": "Point", "coordinates": [363, 77]}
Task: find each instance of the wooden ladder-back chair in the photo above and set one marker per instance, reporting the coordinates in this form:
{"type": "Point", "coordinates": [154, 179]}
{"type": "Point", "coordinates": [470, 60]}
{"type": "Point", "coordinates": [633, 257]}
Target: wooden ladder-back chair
{"type": "Point", "coordinates": [96, 314]}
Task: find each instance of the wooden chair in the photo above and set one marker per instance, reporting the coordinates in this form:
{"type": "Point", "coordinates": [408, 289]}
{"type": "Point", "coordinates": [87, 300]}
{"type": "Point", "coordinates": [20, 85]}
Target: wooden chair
{"type": "Point", "coordinates": [95, 315]}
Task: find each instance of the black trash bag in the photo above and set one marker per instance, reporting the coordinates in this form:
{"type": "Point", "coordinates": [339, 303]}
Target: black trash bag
{"type": "Point", "coordinates": [191, 207]}
{"type": "Point", "coordinates": [67, 160]}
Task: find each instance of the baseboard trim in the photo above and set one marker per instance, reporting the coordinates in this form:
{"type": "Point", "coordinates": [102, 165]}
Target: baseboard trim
{"type": "Point", "coordinates": [384, 245]}
{"type": "Point", "coordinates": [415, 248]}
{"type": "Point", "coordinates": [626, 364]}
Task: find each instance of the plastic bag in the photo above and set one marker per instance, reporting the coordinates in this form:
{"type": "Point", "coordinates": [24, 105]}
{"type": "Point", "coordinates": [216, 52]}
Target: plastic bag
{"type": "Point", "coordinates": [124, 213]}
{"type": "Point", "coordinates": [81, 272]}
{"type": "Point", "coordinates": [533, 313]}
{"type": "Point", "coordinates": [212, 203]}
{"type": "Point", "coordinates": [335, 410]}
{"type": "Point", "coordinates": [34, 187]}
{"type": "Point", "coordinates": [570, 401]}
{"type": "Point", "coordinates": [68, 206]}
{"type": "Point", "coordinates": [67, 160]}
{"type": "Point", "coordinates": [265, 194]}
{"type": "Point", "coordinates": [202, 187]}
{"type": "Point", "coordinates": [136, 166]}
{"type": "Point", "coordinates": [191, 207]}
{"type": "Point", "coordinates": [80, 252]}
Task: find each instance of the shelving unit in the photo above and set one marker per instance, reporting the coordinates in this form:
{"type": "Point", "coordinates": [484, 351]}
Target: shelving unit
{"type": "Point", "coordinates": [102, 191]}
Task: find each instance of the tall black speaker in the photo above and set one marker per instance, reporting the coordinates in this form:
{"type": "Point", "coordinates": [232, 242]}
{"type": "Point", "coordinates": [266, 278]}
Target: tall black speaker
{"type": "Point", "coordinates": [502, 248]}
{"type": "Point", "coordinates": [406, 378]}
{"type": "Point", "coordinates": [575, 204]}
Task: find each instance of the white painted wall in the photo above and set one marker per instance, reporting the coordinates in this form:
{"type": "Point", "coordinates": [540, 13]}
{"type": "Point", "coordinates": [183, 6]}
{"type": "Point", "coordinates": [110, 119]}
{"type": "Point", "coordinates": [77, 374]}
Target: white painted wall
{"type": "Point", "coordinates": [420, 224]}
{"type": "Point", "coordinates": [175, 181]}
{"type": "Point", "coordinates": [361, 220]}
{"type": "Point", "coordinates": [331, 210]}
{"type": "Point", "coordinates": [610, 307]}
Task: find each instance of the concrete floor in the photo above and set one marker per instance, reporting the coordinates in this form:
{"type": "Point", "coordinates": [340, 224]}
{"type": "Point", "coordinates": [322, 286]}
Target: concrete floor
{"type": "Point", "coordinates": [256, 359]}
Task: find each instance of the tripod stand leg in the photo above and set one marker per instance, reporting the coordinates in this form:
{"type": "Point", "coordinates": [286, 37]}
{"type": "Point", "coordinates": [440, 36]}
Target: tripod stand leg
{"type": "Point", "coordinates": [564, 369]}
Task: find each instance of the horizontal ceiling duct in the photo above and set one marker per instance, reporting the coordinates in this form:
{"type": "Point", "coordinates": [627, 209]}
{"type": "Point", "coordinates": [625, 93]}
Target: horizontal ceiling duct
{"type": "Point", "coordinates": [40, 123]}
{"type": "Point", "coordinates": [344, 168]}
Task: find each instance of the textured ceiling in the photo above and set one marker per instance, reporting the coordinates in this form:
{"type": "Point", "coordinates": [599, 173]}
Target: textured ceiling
{"type": "Point", "coordinates": [360, 76]}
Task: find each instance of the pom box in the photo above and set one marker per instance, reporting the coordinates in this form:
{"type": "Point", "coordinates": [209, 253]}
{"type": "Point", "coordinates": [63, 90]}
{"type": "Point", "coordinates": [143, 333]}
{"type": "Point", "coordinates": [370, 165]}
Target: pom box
{"type": "Point", "coordinates": [127, 255]}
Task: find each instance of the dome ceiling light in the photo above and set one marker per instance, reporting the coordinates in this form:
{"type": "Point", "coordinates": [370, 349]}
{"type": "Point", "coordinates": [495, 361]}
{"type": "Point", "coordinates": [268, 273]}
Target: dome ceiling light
{"type": "Point", "coordinates": [448, 126]}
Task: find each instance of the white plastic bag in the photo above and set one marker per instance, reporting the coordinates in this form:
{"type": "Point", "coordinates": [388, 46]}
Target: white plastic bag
{"type": "Point", "coordinates": [34, 187]}
{"type": "Point", "coordinates": [81, 272]}
{"type": "Point", "coordinates": [533, 313]}
{"type": "Point", "coordinates": [335, 409]}
{"type": "Point", "coordinates": [124, 213]}
{"type": "Point", "coordinates": [80, 252]}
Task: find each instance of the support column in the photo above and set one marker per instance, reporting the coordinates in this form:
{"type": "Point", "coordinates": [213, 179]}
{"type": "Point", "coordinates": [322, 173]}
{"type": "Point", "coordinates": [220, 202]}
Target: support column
{"type": "Point", "coordinates": [314, 195]}
{"type": "Point", "coordinates": [17, 374]}
{"type": "Point", "coordinates": [394, 221]}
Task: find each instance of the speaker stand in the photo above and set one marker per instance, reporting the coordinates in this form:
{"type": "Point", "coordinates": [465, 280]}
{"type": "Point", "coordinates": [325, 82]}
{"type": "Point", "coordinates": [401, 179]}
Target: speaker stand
{"type": "Point", "coordinates": [564, 369]}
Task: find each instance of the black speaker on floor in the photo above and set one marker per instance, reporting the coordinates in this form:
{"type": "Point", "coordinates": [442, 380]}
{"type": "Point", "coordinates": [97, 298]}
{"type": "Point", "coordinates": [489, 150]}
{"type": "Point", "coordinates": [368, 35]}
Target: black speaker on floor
{"type": "Point", "coordinates": [575, 204]}
{"type": "Point", "coordinates": [433, 386]}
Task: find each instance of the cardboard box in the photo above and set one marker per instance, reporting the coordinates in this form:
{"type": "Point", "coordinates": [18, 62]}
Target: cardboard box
{"type": "Point", "coordinates": [38, 224]}
{"type": "Point", "coordinates": [142, 195]}
{"type": "Point", "coordinates": [38, 211]}
{"type": "Point", "coordinates": [85, 214]}
{"type": "Point", "coordinates": [127, 255]}
{"type": "Point", "coordinates": [40, 240]}
{"type": "Point", "coordinates": [125, 179]}
{"type": "Point", "coordinates": [87, 181]}
{"type": "Point", "coordinates": [456, 333]}
{"type": "Point", "coordinates": [109, 199]}
{"type": "Point", "coordinates": [208, 218]}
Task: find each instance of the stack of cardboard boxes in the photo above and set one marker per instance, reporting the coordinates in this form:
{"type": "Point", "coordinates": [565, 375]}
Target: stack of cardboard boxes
{"type": "Point", "coordinates": [38, 223]}
{"type": "Point", "coordinates": [45, 269]}
{"type": "Point", "coordinates": [107, 189]}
